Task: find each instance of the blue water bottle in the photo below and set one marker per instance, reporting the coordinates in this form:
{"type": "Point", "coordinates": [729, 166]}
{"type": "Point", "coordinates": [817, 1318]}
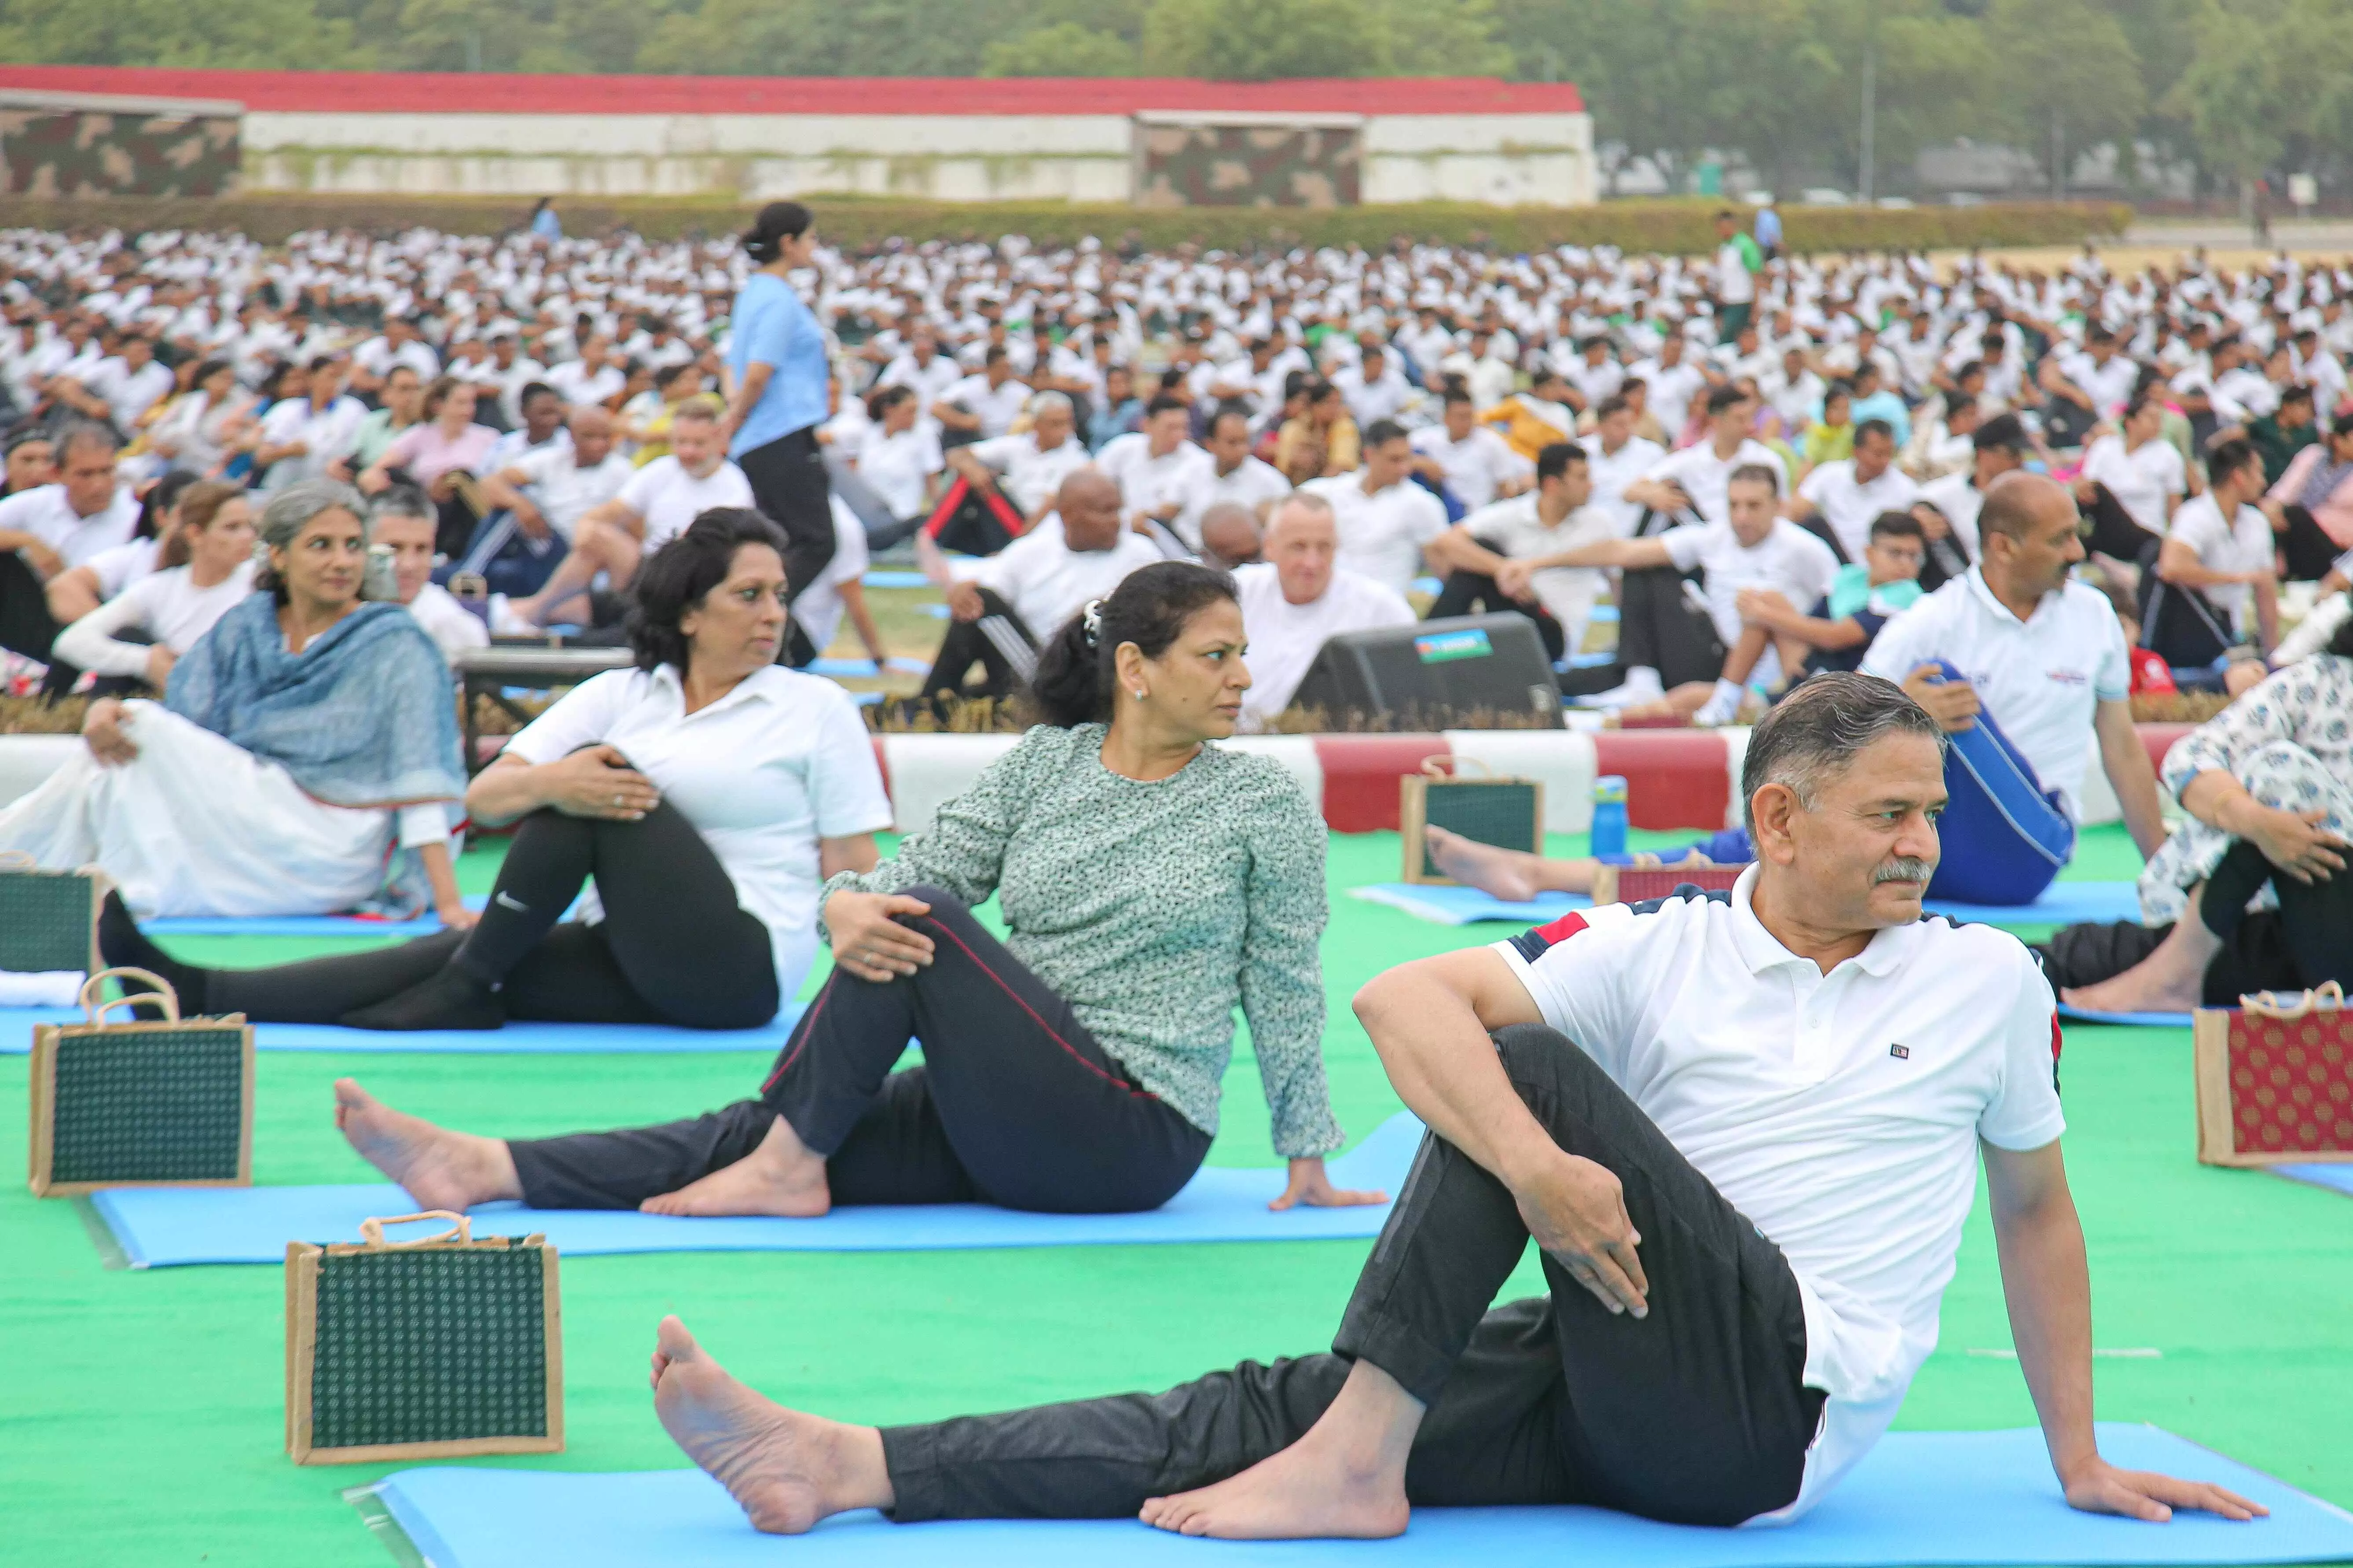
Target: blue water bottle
{"type": "Point", "coordinates": [1609, 817]}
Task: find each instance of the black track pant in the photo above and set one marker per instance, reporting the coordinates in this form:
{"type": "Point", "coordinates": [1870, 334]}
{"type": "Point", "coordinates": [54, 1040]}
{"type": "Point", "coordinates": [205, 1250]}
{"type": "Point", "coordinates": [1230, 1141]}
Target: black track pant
{"type": "Point", "coordinates": [1014, 1104]}
{"type": "Point", "coordinates": [25, 624]}
{"type": "Point", "coordinates": [2115, 531]}
{"type": "Point", "coordinates": [1695, 1414]}
{"type": "Point", "coordinates": [2254, 956]}
{"type": "Point", "coordinates": [788, 481]}
{"type": "Point", "coordinates": [1001, 640]}
{"type": "Point", "coordinates": [2316, 919]}
{"type": "Point", "coordinates": [673, 948]}
{"type": "Point", "coordinates": [1467, 592]}
{"type": "Point", "coordinates": [2309, 550]}
{"type": "Point", "coordinates": [1658, 626]}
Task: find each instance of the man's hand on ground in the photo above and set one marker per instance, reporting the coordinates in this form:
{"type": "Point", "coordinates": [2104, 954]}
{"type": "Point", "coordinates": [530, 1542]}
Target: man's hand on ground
{"type": "Point", "coordinates": [1576, 1210]}
{"type": "Point", "coordinates": [1953, 704]}
{"type": "Point", "coordinates": [2101, 1488]}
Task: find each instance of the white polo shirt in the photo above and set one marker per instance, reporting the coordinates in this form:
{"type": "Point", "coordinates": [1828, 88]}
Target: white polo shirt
{"type": "Point", "coordinates": [2242, 544]}
{"type": "Point", "coordinates": [1789, 561]}
{"type": "Point", "coordinates": [1285, 637]}
{"type": "Point", "coordinates": [669, 498]}
{"type": "Point", "coordinates": [763, 773]}
{"type": "Point", "coordinates": [1958, 497]}
{"type": "Point", "coordinates": [1840, 1113]}
{"type": "Point", "coordinates": [1249, 485]}
{"type": "Point", "coordinates": [1382, 534]}
{"type": "Point", "coordinates": [1849, 508]}
{"type": "Point", "coordinates": [1045, 581]}
{"type": "Point", "coordinates": [1147, 483]}
{"type": "Point", "coordinates": [1032, 477]}
{"type": "Point", "coordinates": [1513, 528]}
{"type": "Point", "coordinates": [564, 490]}
{"type": "Point", "coordinates": [997, 407]}
{"type": "Point", "coordinates": [45, 514]}
{"type": "Point", "coordinates": [1476, 466]}
{"type": "Point", "coordinates": [2041, 678]}
{"type": "Point", "coordinates": [1613, 471]}
{"type": "Point", "coordinates": [2140, 478]}
{"type": "Point", "coordinates": [1706, 477]}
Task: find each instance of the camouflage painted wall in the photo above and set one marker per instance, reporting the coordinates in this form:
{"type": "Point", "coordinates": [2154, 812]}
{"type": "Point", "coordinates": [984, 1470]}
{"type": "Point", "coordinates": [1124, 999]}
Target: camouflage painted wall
{"type": "Point", "coordinates": [1246, 166]}
{"type": "Point", "coordinates": [53, 152]}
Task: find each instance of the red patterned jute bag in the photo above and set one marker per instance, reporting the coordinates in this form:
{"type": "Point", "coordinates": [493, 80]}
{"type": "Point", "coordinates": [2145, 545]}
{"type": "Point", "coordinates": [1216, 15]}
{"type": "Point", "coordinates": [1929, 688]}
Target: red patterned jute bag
{"type": "Point", "coordinates": [2275, 1079]}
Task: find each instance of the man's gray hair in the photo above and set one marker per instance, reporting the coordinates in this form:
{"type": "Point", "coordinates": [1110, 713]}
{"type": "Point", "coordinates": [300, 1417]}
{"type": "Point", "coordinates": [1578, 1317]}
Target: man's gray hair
{"type": "Point", "coordinates": [301, 502]}
{"type": "Point", "coordinates": [1307, 501]}
{"type": "Point", "coordinates": [86, 433]}
{"type": "Point", "coordinates": [1817, 730]}
{"type": "Point", "coordinates": [1045, 401]}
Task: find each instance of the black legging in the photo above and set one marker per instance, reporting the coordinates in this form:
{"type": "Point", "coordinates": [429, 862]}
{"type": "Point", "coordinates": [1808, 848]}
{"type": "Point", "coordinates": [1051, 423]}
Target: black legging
{"type": "Point", "coordinates": [1015, 1103]}
{"type": "Point", "coordinates": [2308, 551]}
{"type": "Point", "coordinates": [790, 485]}
{"type": "Point", "coordinates": [2315, 918]}
{"type": "Point", "coordinates": [2116, 532]}
{"type": "Point", "coordinates": [673, 948]}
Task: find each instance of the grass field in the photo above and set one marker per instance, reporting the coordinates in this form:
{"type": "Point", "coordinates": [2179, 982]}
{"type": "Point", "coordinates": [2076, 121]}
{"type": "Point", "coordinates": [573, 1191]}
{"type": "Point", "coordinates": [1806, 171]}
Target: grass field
{"type": "Point", "coordinates": [141, 1413]}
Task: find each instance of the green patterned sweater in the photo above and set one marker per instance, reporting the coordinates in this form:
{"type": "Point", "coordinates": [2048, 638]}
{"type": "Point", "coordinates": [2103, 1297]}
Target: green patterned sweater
{"type": "Point", "coordinates": [1154, 909]}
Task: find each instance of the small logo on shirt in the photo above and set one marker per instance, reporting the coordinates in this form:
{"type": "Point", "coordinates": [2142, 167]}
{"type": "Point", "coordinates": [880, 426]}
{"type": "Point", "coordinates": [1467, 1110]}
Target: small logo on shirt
{"type": "Point", "coordinates": [1900, 1053]}
{"type": "Point", "coordinates": [2067, 677]}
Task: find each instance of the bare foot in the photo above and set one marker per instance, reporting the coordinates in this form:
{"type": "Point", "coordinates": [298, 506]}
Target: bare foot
{"type": "Point", "coordinates": [1319, 1486]}
{"type": "Point", "coordinates": [1505, 874]}
{"type": "Point", "coordinates": [786, 1470]}
{"type": "Point", "coordinates": [440, 1169]}
{"type": "Point", "coordinates": [780, 1178]}
{"type": "Point", "coordinates": [2173, 979]}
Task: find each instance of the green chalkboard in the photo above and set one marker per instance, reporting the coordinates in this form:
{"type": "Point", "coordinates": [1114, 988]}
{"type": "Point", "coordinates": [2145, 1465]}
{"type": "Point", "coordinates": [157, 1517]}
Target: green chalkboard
{"type": "Point", "coordinates": [1502, 813]}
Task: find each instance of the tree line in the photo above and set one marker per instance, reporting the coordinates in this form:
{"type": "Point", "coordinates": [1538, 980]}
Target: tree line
{"type": "Point", "coordinates": [2235, 88]}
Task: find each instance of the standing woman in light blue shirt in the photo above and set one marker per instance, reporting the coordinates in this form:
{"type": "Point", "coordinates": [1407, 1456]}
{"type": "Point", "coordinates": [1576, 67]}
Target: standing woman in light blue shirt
{"type": "Point", "coordinates": [776, 400]}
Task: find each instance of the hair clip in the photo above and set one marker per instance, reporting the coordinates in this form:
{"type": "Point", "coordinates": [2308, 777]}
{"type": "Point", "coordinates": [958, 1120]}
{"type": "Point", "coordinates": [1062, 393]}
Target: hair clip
{"type": "Point", "coordinates": [1090, 620]}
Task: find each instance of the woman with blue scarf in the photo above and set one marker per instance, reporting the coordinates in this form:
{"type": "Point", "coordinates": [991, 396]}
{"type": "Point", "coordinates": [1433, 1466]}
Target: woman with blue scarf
{"type": "Point", "coordinates": [304, 759]}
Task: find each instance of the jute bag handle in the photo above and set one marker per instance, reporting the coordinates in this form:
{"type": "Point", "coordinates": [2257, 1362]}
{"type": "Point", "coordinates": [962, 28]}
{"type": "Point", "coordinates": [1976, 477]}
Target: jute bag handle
{"type": "Point", "coordinates": [2328, 997]}
{"type": "Point", "coordinates": [461, 1229]}
{"type": "Point", "coordinates": [159, 990]}
{"type": "Point", "coordinates": [17, 861]}
{"type": "Point", "coordinates": [1440, 766]}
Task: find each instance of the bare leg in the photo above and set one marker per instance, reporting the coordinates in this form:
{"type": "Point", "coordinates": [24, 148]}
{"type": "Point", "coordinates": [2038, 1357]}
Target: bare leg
{"type": "Point", "coordinates": [786, 1470]}
{"type": "Point", "coordinates": [2170, 980]}
{"type": "Point", "coordinates": [1513, 874]}
{"type": "Point", "coordinates": [1794, 652]}
{"type": "Point", "coordinates": [597, 548]}
{"type": "Point", "coordinates": [440, 1169]}
{"type": "Point", "coordinates": [1745, 654]}
{"type": "Point", "coordinates": [779, 1178]}
{"type": "Point", "coordinates": [1680, 703]}
{"type": "Point", "coordinates": [1345, 1478]}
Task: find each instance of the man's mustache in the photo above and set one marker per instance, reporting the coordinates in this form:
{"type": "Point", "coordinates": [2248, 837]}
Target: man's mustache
{"type": "Point", "coordinates": [1904, 868]}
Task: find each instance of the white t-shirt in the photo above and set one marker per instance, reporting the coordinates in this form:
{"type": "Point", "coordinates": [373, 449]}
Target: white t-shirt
{"type": "Point", "coordinates": [1706, 477]}
{"type": "Point", "coordinates": [168, 605]}
{"type": "Point", "coordinates": [1382, 535]}
{"type": "Point", "coordinates": [1285, 637]}
{"type": "Point", "coordinates": [669, 498]}
{"type": "Point", "coordinates": [2041, 678]}
{"type": "Point", "coordinates": [2141, 479]}
{"type": "Point", "coordinates": [48, 516]}
{"type": "Point", "coordinates": [1613, 471]}
{"type": "Point", "coordinates": [899, 467]}
{"type": "Point", "coordinates": [1838, 1113]}
{"type": "Point", "coordinates": [1789, 561]}
{"type": "Point", "coordinates": [1147, 483]}
{"type": "Point", "coordinates": [1958, 497]}
{"type": "Point", "coordinates": [1671, 389]}
{"type": "Point", "coordinates": [118, 567]}
{"type": "Point", "coordinates": [1476, 466]}
{"type": "Point", "coordinates": [563, 490]}
{"type": "Point", "coordinates": [763, 773]}
{"type": "Point", "coordinates": [1849, 508]}
{"type": "Point", "coordinates": [1513, 528]}
{"type": "Point", "coordinates": [1032, 478]}
{"type": "Point", "coordinates": [997, 407]}
{"type": "Point", "coordinates": [325, 433]}
{"type": "Point", "coordinates": [819, 608]}
{"type": "Point", "coordinates": [1734, 283]}
{"type": "Point", "coordinates": [579, 385]}
{"type": "Point", "coordinates": [453, 628]}
{"type": "Point", "coordinates": [1249, 485]}
{"type": "Point", "coordinates": [2242, 544]}
{"type": "Point", "coordinates": [1045, 582]}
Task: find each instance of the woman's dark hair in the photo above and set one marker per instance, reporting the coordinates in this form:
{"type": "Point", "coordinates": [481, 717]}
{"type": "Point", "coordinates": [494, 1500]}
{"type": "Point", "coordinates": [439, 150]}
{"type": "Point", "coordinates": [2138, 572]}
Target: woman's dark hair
{"type": "Point", "coordinates": [884, 399]}
{"type": "Point", "coordinates": [437, 393]}
{"type": "Point", "coordinates": [778, 221]}
{"type": "Point", "coordinates": [1077, 674]}
{"type": "Point", "coordinates": [675, 578]}
{"type": "Point", "coordinates": [161, 496]}
{"type": "Point", "coordinates": [206, 371]}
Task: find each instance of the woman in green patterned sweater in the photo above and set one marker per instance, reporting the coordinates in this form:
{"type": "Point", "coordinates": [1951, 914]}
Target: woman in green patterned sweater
{"type": "Point", "coordinates": [1150, 882]}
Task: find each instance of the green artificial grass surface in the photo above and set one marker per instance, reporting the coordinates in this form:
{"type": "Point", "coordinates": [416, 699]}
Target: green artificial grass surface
{"type": "Point", "coordinates": [141, 1412]}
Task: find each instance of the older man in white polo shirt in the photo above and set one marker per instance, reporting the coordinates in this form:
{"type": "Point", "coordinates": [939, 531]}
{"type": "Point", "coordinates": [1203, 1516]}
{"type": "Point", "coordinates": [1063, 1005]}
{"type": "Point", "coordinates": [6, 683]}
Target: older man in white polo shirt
{"type": "Point", "coordinates": [1743, 1131]}
{"type": "Point", "coordinates": [1387, 522]}
{"type": "Point", "coordinates": [1297, 599]}
{"type": "Point", "coordinates": [2023, 667]}
{"type": "Point", "coordinates": [51, 528]}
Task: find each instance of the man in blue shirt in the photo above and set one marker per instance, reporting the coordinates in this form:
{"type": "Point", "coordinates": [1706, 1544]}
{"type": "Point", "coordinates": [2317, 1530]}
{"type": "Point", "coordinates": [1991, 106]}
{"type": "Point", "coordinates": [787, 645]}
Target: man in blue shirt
{"type": "Point", "coordinates": [1769, 230]}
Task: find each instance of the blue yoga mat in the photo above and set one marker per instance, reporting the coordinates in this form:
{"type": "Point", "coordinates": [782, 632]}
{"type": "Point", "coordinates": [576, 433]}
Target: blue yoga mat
{"type": "Point", "coordinates": [2336, 1178]}
{"type": "Point", "coordinates": [2065, 904]}
{"type": "Point", "coordinates": [838, 669]}
{"type": "Point", "coordinates": [2132, 1020]}
{"type": "Point", "coordinates": [1919, 1498]}
{"type": "Point", "coordinates": [531, 1039]}
{"type": "Point", "coordinates": [883, 577]}
{"type": "Point", "coordinates": [160, 1227]}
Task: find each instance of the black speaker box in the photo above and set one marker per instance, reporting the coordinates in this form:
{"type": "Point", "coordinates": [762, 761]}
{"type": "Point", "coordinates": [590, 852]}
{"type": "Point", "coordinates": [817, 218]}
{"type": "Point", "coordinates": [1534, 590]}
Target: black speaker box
{"type": "Point", "coordinates": [1434, 675]}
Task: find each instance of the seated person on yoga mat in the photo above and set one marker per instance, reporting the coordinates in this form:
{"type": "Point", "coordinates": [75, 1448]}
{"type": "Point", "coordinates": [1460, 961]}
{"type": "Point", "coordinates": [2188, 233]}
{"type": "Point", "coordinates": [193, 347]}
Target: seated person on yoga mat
{"type": "Point", "coordinates": [207, 570]}
{"type": "Point", "coordinates": [2022, 666]}
{"type": "Point", "coordinates": [1742, 1128]}
{"type": "Point", "coordinates": [51, 528]}
{"type": "Point", "coordinates": [1150, 884]}
{"type": "Point", "coordinates": [303, 760]}
{"type": "Point", "coordinates": [2268, 785]}
{"type": "Point", "coordinates": [707, 792]}
{"type": "Point", "coordinates": [1494, 557]}
{"type": "Point", "coordinates": [2212, 595]}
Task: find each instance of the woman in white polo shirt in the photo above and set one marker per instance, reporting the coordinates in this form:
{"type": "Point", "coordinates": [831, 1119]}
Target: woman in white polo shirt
{"type": "Point", "coordinates": [707, 792]}
{"type": "Point", "coordinates": [2131, 481]}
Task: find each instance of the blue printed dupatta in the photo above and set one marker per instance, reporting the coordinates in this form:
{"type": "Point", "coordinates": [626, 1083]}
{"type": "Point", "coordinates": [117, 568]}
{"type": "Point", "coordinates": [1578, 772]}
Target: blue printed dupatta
{"type": "Point", "coordinates": [363, 716]}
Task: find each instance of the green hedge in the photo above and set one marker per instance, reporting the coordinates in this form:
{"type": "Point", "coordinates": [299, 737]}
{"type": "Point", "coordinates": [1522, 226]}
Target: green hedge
{"type": "Point", "coordinates": [1639, 225]}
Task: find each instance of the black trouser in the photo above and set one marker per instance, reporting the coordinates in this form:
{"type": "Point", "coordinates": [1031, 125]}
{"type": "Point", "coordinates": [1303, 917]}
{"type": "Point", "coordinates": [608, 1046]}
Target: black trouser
{"type": "Point", "coordinates": [2254, 956]}
{"type": "Point", "coordinates": [2309, 550]}
{"type": "Point", "coordinates": [1468, 593]}
{"type": "Point", "coordinates": [2179, 625]}
{"type": "Point", "coordinates": [26, 626]}
{"type": "Point", "coordinates": [1818, 525]}
{"type": "Point", "coordinates": [1696, 1414]}
{"type": "Point", "coordinates": [2315, 918]}
{"type": "Point", "coordinates": [2115, 531]}
{"type": "Point", "coordinates": [788, 482]}
{"type": "Point", "coordinates": [1658, 626]}
{"type": "Point", "coordinates": [1000, 639]}
{"type": "Point", "coordinates": [1014, 1104]}
{"type": "Point", "coordinates": [673, 948]}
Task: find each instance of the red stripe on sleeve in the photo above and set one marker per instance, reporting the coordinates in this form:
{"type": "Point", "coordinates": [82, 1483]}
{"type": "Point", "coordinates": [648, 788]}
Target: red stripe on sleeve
{"type": "Point", "coordinates": [1561, 929]}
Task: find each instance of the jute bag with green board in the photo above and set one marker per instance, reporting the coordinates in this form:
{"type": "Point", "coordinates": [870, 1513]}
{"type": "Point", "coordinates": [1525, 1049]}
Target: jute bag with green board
{"type": "Point", "coordinates": [443, 1347]}
{"type": "Point", "coordinates": [163, 1103]}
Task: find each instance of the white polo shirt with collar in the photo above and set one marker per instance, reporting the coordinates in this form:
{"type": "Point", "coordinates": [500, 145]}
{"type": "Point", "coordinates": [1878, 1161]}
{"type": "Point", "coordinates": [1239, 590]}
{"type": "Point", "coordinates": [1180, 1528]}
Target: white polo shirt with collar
{"type": "Point", "coordinates": [47, 513]}
{"type": "Point", "coordinates": [1382, 535]}
{"type": "Point", "coordinates": [2042, 678]}
{"type": "Point", "coordinates": [1785, 1088]}
{"type": "Point", "coordinates": [1033, 475]}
